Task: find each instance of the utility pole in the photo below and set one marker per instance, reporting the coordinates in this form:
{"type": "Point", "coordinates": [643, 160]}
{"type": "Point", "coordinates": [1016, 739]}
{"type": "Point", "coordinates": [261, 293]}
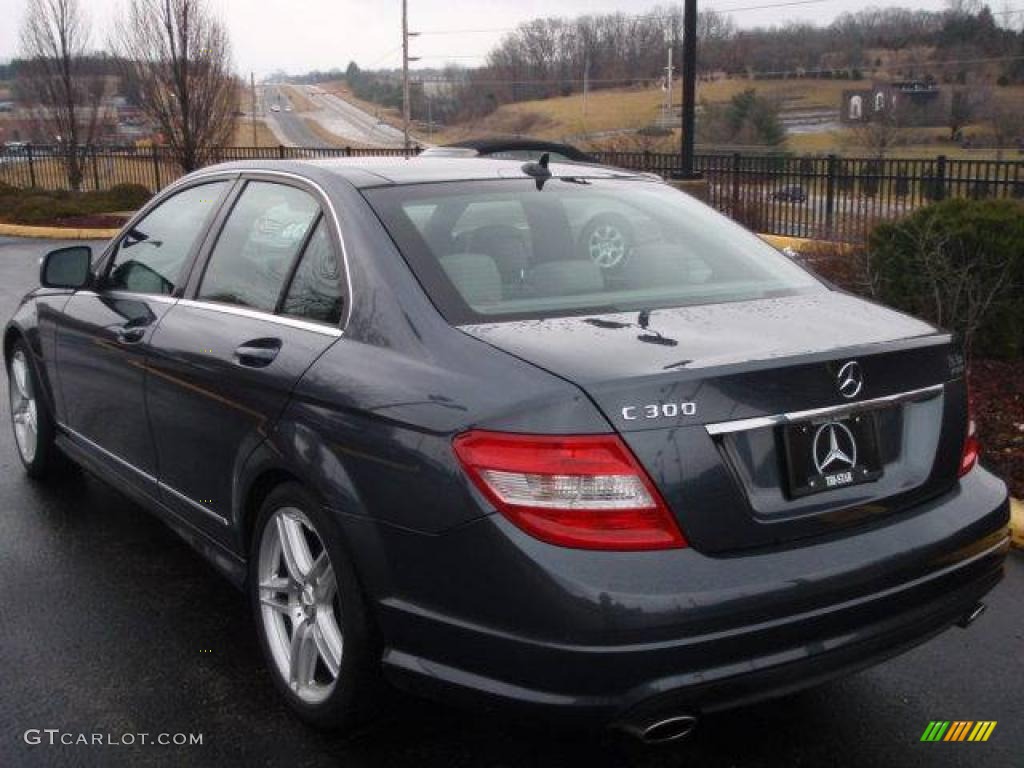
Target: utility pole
{"type": "Point", "coordinates": [406, 58]}
{"type": "Point", "coordinates": [252, 91]}
{"type": "Point", "coordinates": [689, 88]}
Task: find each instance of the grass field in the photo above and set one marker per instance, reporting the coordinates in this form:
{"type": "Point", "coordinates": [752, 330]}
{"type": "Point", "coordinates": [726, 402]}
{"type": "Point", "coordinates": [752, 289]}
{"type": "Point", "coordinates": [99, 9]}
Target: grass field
{"type": "Point", "coordinates": [630, 108]}
{"type": "Point", "coordinates": [244, 134]}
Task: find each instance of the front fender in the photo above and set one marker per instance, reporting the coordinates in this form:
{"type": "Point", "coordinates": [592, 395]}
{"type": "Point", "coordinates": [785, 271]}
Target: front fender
{"type": "Point", "coordinates": [39, 336]}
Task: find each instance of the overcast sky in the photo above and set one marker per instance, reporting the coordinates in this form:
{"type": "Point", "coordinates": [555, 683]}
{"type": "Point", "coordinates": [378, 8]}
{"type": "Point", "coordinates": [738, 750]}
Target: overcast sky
{"type": "Point", "coordinates": [299, 35]}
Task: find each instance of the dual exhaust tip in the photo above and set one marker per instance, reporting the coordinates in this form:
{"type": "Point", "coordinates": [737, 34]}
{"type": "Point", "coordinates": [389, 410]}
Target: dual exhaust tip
{"type": "Point", "coordinates": [662, 729]}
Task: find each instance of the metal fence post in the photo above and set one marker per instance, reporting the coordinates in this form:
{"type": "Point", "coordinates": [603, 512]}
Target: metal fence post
{"type": "Point", "coordinates": [940, 177]}
{"type": "Point", "coordinates": [156, 168]}
{"type": "Point", "coordinates": [737, 163]}
{"type": "Point", "coordinates": [95, 168]}
{"type": "Point", "coordinates": [31, 167]}
{"type": "Point", "coordinates": [832, 171]}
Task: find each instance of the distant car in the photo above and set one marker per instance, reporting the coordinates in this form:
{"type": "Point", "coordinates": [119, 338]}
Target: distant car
{"type": "Point", "coordinates": [512, 149]}
{"type": "Point", "coordinates": [288, 108]}
{"type": "Point", "coordinates": [791, 194]}
{"type": "Point", "coordinates": [275, 108]}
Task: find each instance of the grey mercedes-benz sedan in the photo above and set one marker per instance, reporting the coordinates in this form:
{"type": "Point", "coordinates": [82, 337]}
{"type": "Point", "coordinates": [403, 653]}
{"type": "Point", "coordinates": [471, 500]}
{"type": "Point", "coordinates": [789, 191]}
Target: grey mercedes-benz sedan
{"type": "Point", "coordinates": [442, 439]}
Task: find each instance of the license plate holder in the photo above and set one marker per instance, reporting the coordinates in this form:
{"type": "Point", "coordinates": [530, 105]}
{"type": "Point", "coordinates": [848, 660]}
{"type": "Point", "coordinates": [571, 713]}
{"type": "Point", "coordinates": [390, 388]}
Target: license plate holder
{"type": "Point", "coordinates": [831, 453]}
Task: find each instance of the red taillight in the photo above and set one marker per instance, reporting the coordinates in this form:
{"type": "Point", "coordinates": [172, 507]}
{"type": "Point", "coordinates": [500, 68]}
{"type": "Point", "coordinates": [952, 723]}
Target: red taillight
{"type": "Point", "coordinates": [584, 491]}
{"type": "Point", "coordinates": [972, 445]}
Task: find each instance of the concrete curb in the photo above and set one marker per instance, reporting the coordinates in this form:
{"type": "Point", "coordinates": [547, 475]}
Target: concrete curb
{"type": "Point", "coordinates": [56, 233]}
{"type": "Point", "coordinates": [1017, 523]}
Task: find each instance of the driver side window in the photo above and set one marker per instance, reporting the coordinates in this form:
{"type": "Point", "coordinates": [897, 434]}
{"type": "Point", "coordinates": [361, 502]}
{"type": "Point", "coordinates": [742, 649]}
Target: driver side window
{"type": "Point", "coordinates": [152, 254]}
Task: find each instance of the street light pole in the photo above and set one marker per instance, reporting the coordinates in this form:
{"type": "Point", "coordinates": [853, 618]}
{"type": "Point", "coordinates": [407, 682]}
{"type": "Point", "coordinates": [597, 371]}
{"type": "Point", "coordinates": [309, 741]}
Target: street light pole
{"type": "Point", "coordinates": [689, 63]}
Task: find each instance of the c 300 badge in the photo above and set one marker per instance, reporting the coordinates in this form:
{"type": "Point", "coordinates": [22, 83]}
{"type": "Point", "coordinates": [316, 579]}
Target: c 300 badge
{"type": "Point", "coordinates": [658, 411]}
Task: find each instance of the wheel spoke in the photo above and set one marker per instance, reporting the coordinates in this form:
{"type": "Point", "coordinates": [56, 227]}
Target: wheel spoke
{"type": "Point", "coordinates": [294, 549]}
{"type": "Point", "coordinates": [302, 661]}
{"type": "Point", "coordinates": [281, 606]}
{"type": "Point", "coordinates": [319, 569]}
{"type": "Point", "coordinates": [328, 641]}
{"type": "Point", "coordinates": [19, 367]}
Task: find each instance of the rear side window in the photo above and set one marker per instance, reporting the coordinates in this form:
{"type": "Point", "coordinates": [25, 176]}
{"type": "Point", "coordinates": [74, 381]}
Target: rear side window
{"type": "Point", "coordinates": [152, 254]}
{"type": "Point", "coordinates": [315, 292]}
{"type": "Point", "coordinates": [267, 227]}
{"type": "Point", "coordinates": [516, 249]}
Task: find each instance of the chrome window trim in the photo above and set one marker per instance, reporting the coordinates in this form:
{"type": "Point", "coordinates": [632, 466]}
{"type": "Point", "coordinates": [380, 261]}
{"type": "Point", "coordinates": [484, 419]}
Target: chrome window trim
{"type": "Point", "coordinates": [306, 180]}
{"type": "Point", "coordinates": [159, 298]}
{"type": "Point", "coordinates": [258, 314]}
{"type": "Point", "coordinates": [760, 422]}
{"type": "Point", "coordinates": [142, 473]}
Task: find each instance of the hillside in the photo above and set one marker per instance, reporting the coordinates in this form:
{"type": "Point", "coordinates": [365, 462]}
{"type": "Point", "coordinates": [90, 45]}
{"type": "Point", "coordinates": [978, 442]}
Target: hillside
{"type": "Point", "coordinates": [620, 109]}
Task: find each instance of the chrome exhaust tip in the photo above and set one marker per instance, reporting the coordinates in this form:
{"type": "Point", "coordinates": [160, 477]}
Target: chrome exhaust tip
{"type": "Point", "coordinates": [971, 616]}
{"type": "Point", "coordinates": [663, 730]}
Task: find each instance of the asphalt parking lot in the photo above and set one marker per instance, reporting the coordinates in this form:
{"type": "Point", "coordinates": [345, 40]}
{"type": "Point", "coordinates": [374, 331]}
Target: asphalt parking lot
{"type": "Point", "coordinates": [109, 624]}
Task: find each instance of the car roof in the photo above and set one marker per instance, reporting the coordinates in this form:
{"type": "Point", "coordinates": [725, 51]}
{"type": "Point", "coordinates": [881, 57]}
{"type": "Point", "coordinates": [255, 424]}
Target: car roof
{"type": "Point", "coordinates": [367, 172]}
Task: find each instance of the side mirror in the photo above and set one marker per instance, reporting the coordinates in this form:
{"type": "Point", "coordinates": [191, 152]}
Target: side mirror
{"type": "Point", "coordinates": [66, 267]}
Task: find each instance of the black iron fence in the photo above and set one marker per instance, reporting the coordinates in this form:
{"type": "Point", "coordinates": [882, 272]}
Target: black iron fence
{"type": "Point", "coordinates": [824, 197]}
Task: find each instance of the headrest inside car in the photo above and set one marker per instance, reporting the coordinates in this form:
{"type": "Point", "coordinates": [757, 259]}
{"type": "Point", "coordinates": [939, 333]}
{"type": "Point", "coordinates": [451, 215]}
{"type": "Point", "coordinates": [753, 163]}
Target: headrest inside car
{"type": "Point", "coordinates": [475, 276]}
{"type": "Point", "coordinates": [566, 278]}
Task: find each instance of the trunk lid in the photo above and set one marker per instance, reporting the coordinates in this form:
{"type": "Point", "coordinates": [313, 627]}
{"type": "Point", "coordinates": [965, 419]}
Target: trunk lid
{"type": "Point", "coordinates": [702, 394]}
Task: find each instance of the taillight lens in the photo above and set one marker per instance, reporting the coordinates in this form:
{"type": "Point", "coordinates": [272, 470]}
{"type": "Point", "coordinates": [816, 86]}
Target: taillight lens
{"type": "Point", "coordinates": [972, 445]}
{"type": "Point", "coordinates": [584, 491]}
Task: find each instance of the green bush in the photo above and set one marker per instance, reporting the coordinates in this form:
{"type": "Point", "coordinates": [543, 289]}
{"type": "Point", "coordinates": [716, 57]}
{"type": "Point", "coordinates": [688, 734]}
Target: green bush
{"type": "Point", "coordinates": [960, 264]}
{"type": "Point", "coordinates": [127, 197]}
{"type": "Point", "coordinates": [37, 206]}
{"type": "Point", "coordinates": [42, 208]}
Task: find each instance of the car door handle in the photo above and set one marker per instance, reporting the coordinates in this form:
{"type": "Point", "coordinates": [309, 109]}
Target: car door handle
{"type": "Point", "coordinates": [129, 335]}
{"type": "Point", "coordinates": [257, 353]}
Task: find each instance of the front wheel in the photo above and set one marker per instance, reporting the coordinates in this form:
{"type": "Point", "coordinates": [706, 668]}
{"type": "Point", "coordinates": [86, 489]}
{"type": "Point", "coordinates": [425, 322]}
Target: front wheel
{"type": "Point", "coordinates": [34, 431]}
{"type": "Point", "coordinates": [310, 613]}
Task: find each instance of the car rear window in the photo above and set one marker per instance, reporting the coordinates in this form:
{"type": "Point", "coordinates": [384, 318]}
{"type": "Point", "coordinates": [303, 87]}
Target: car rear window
{"type": "Point", "coordinates": [516, 249]}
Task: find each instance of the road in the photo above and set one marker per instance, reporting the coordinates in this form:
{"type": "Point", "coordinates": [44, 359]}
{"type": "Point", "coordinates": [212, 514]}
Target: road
{"type": "Point", "coordinates": [333, 113]}
{"type": "Point", "coordinates": [289, 127]}
{"type": "Point", "coordinates": [109, 624]}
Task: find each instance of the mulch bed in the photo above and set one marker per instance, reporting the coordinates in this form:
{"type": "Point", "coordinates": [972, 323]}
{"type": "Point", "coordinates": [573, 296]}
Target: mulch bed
{"type": "Point", "coordinates": [998, 390]}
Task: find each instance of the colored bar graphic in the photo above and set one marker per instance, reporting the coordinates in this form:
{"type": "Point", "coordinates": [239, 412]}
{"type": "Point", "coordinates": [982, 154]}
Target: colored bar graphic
{"type": "Point", "coordinates": [958, 730]}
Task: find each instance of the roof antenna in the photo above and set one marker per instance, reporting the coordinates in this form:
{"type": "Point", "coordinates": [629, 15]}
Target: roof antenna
{"type": "Point", "coordinates": [539, 170]}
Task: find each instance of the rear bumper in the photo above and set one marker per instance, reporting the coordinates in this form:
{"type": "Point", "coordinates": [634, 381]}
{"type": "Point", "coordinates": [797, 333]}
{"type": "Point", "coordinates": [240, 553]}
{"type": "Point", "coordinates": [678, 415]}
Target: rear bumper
{"type": "Point", "coordinates": [490, 616]}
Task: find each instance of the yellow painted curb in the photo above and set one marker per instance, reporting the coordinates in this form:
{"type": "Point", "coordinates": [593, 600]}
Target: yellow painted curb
{"type": "Point", "coordinates": [56, 233]}
{"type": "Point", "coordinates": [799, 244]}
{"type": "Point", "coordinates": [1017, 523]}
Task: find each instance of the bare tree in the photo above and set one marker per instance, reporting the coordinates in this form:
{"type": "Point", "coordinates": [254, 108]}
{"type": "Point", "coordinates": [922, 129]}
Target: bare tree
{"type": "Point", "coordinates": [1005, 122]}
{"type": "Point", "coordinates": [179, 54]}
{"type": "Point", "coordinates": [881, 134]}
{"type": "Point", "coordinates": [65, 99]}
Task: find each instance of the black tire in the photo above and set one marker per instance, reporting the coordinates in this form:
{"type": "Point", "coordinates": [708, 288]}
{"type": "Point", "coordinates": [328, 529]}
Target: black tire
{"type": "Point", "coordinates": [615, 233]}
{"type": "Point", "coordinates": [44, 455]}
{"type": "Point", "coordinates": [358, 686]}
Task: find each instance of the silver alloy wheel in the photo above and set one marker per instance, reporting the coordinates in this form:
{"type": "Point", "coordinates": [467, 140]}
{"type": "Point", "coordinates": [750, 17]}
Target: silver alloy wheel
{"type": "Point", "coordinates": [23, 407]}
{"type": "Point", "coordinates": [299, 605]}
{"type": "Point", "coordinates": [607, 246]}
